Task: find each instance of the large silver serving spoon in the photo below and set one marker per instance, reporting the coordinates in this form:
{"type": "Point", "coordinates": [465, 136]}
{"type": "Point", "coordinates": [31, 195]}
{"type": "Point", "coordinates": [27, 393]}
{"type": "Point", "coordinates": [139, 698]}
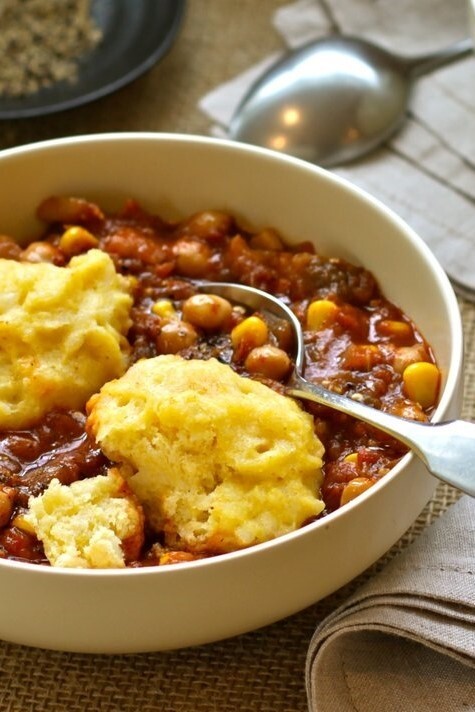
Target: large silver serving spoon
{"type": "Point", "coordinates": [447, 449]}
{"type": "Point", "coordinates": [334, 99]}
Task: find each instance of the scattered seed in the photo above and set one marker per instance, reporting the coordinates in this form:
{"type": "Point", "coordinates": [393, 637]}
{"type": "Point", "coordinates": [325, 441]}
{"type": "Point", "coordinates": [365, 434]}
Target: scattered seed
{"type": "Point", "coordinates": [41, 42]}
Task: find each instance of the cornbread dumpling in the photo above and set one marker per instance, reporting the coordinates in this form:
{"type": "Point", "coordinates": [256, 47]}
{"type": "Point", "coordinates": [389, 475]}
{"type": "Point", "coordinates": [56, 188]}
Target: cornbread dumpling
{"type": "Point", "coordinates": [92, 523]}
{"type": "Point", "coordinates": [62, 334]}
{"type": "Point", "coordinates": [218, 461]}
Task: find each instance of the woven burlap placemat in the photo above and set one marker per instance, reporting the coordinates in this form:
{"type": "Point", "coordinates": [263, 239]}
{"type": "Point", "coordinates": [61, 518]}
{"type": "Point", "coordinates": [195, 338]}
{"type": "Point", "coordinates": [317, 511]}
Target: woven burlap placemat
{"type": "Point", "coordinates": [261, 671]}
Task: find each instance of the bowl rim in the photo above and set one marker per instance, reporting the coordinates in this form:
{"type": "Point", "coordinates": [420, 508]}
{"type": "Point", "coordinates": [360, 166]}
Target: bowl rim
{"type": "Point", "coordinates": [345, 185]}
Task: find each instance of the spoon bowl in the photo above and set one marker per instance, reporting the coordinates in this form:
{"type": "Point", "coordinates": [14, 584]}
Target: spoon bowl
{"type": "Point", "coordinates": [333, 100]}
{"type": "Point", "coordinates": [447, 449]}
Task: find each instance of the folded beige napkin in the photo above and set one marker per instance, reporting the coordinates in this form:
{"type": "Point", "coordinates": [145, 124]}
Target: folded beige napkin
{"type": "Point", "coordinates": [406, 639]}
{"type": "Point", "coordinates": [426, 173]}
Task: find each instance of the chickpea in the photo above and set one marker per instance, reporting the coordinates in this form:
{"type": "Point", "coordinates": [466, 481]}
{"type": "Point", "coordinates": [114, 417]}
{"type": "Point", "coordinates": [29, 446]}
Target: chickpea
{"type": "Point", "coordinates": [9, 249]}
{"type": "Point", "coordinates": [68, 210]}
{"type": "Point", "coordinates": [175, 336]}
{"type": "Point", "coordinates": [39, 252]}
{"type": "Point", "coordinates": [267, 239]}
{"type": "Point", "coordinates": [209, 224]}
{"type": "Point", "coordinates": [405, 355]}
{"type": "Point", "coordinates": [207, 311]}
{"type": "Point", "coordinates": [192, 258]}
{"type": "Point", "coordinates": [284, 334]}
{"type": "Point", "coordinates": [361, 357]}
{"type": "Point", "coordinates": [268, 361]}
{"type": "Point", "coordinates": [410, 411]}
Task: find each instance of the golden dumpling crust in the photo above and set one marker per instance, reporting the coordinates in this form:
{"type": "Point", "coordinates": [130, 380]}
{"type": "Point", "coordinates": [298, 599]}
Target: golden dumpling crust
{"type": "Point", "coordinates": [218, 461]}
{"type": "Point", "coordinates": [62, 334]}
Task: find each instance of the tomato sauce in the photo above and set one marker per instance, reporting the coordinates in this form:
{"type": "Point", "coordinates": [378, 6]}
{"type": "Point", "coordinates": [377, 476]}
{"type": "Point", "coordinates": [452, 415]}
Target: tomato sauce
{"type": "Point", "coordinates": [362, 351]}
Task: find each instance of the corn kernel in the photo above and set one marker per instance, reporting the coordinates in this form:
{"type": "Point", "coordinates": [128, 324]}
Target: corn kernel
{"type": "Point", "coordinates": [77, 239]}
{"type": "Point", "coordinates": [253, 331]}
{"type": "Point", "coordinates": [421, 383]}
{"type": "Point", "coordinates": [352, 457]}
{"type": "Point", "coordinates": [164, 309]}
{"type": "Point", "coordinates": [22, 523]}
{"type": "Point", "coordinates": [321, 314]}
{"type": "Point", "coordinates": [355, 488]}
{"type": "Point", "coordinates": [395, 328]}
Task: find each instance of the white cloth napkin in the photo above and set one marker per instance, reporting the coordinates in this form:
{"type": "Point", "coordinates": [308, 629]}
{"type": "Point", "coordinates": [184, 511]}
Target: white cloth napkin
{"type": "Point", "coordinates": [406, 640]}
{"type": "Point", "coordinates": [426, 173]}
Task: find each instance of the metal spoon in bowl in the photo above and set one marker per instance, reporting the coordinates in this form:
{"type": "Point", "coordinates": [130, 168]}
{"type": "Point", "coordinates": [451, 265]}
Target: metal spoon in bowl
{"type": "Point", "coordinates": [333, 100]}
{"type": "Point", "coordinates": [447, 449]}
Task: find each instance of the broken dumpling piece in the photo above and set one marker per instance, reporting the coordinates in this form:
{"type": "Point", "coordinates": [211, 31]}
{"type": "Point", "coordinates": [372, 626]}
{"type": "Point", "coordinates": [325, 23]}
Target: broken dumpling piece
{"type": "Point", "coordinates": [62, 334]}
{"type": "Point", "coordinates": [219, 461]}
{"type": "Point", "coordinates": [93, 523]}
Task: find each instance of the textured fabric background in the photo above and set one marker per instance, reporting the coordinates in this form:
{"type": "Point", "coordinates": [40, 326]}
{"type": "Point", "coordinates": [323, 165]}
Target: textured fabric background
{"type": "Point", "coordinates": [394, 644]}
{"type": "Point", "coordinates": [261, 671]}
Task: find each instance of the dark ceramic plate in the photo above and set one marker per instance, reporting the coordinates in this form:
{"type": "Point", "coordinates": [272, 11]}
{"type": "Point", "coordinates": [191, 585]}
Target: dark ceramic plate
{"type": "Point", "coordinates": [136, 35]}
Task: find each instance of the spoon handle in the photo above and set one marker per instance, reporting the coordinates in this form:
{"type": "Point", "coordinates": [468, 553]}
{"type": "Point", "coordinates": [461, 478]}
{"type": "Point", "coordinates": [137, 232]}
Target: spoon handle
{"type": "Point", "coordinates": [447, 449]}
{"type": "Point", "coordinates": [418, 66]}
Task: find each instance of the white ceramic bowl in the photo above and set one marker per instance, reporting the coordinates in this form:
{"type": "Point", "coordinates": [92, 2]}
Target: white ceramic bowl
{"type": "Point", "coordinates": [193, 603]}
